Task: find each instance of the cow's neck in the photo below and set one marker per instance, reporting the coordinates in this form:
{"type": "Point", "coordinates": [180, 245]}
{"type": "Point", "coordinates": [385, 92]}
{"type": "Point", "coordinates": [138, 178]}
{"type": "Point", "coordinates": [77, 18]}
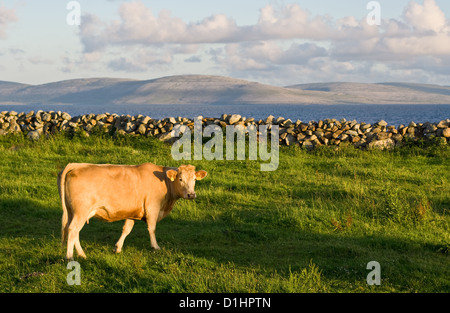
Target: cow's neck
{"type": "Point", "coordinates": [172, 195]}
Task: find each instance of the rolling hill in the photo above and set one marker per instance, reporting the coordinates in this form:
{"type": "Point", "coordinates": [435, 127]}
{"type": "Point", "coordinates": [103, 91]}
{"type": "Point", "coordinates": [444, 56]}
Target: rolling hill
{"type": "Point", "coordinates": [381, 93]}
{"type": "Point", "coordinates": [206, 89]}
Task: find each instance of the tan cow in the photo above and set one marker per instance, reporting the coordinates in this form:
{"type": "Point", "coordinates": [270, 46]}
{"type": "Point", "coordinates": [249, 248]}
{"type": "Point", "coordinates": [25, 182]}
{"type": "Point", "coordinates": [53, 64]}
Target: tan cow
{"type": "Point", "coordinates": [112, 193]}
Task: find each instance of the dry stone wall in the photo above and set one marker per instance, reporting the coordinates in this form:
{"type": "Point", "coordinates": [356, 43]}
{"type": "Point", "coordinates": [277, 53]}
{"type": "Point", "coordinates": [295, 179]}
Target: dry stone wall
{"type": "Point", "coordinates": [329, 132]}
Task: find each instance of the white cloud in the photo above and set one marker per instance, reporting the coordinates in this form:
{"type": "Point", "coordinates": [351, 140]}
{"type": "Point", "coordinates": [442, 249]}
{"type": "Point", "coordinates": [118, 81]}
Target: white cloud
{"type": "Point", "coordinates": [266, 55]}
{"type": "Point", "coordinates": [138, 25]}
{"type": "Point", "coordinates": [436, 45]}
{"type": "Point", "coordinates": [287, 41]}
{"type": "Point", "coordinates": [290, 22]}
{"type": "Point", "coordinates": [426, 17]}
{"type": "Point", "coordinates": [7, 16]}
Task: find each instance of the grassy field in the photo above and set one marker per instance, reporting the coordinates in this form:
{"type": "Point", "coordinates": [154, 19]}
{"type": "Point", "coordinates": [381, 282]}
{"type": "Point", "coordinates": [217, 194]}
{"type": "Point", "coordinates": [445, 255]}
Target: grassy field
{"type": "Point", "coordinates": [310, 226]}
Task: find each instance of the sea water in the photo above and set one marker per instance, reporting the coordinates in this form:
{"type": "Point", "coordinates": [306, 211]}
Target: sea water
{"type": "Point", "coordinates": [393, 114]}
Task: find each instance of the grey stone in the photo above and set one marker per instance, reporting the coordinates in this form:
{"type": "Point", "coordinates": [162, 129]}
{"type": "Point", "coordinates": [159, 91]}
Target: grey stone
{"type": "Point", "coordinates": [34, 135]}
{"type": "Point", "coordinates": [234, 119]}
{"type": "Point", "coordinates": [130, 127]}
{"type": "Point", "coordinates": [287, 123]}
{"type": "Point", "coordinates": [100, 117]}
{"type": "Point", "coordinates": [142, 129]}
{"type": "Point", "coordinates": [4, 126]}
{"type": "Point", "coordinates": [308, 145]}
{"type": "Point", "coordinates": [15, 128]}
{"type": "Point", "coordinates": [291, 131]}
{"type": "Point", "coordinates": [397, 137]}
{"type": "Point", "coordinates": [319, 133]}
{"type": "Point", "coordinates": [382, 144]}
{"type": "Point", "coordinates": [88, 127]}
{"type": "Point", "coordinates": [365, 126]}
{"type": "Point", "coordinates": [165, 136]}
{"type": "Point", "coordinates": [46, 117]}
{"type": "Point", "coordinates": [352, 133]}
{"type": "Point", "coordinates": [382, 123]}
{"type": "Point", "coordinates": [431, 128]}
{"type": "Point", "coordinates": [411, 130]}
{"type": "Point", "coordinates": [179, 129]}
{"type": "Point", "coordinates": [145, 120]}
{"type": "Point", "coordinates": [446, 133]}
{"type": "Point", "coordinates": [382, 136]}
{"type": "Point", "coordinates": [442, 124]}
{"type": "Point", "coordinates": [289, 140]}
{"type": "Point", "coordinates": [269, 119]}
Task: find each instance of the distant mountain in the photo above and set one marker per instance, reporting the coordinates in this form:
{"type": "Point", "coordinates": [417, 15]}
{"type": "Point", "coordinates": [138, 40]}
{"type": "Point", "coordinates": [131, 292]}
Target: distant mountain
{"type": "Point", "coordinates": [206, 89]}
{"type": "Point", "coordinates": [381, 93]}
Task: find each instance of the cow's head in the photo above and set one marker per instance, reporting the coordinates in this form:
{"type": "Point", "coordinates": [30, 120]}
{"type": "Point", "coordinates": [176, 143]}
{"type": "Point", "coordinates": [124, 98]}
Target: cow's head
{"type": "Point", "coordinates": [184, 180]}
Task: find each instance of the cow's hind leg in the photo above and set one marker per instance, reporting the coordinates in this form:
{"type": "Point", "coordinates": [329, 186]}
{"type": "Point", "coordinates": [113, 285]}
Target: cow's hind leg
{"type": "Point", "coordinates": [74, 238]}
{"type": "Point", "coordinates": [127, 227]}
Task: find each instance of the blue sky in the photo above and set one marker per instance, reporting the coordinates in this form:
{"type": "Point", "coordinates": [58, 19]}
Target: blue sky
{"type": "Point", "coordinates": [270, 41]}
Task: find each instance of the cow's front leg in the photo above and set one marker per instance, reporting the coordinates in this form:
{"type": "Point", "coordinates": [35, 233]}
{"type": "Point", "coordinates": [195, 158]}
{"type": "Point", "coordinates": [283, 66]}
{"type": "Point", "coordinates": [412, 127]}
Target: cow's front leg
{"type": "Point", "coordinates": [152, 219]}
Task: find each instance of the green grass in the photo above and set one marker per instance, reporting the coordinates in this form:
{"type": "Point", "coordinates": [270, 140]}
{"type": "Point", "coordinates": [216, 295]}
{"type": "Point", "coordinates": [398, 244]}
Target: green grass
{"type": "Point", "coordinates": [310, 226]}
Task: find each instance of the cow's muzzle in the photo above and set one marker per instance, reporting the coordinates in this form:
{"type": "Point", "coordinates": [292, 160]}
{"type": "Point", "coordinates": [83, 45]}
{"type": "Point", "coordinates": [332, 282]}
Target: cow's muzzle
{"type": "Point", "coordinates": [190, 196]}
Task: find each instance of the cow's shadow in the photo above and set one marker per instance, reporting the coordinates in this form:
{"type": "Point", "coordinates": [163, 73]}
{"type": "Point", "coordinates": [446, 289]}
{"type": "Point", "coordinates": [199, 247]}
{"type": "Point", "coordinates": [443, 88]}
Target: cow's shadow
{"type": "Point", "coordinates": [28, 218]}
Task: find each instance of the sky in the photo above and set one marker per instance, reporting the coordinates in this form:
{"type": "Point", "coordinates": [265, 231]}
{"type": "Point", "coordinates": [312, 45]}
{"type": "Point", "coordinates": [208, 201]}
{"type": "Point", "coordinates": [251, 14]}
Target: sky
{"type": "Point", "coordinates": [268, 41]}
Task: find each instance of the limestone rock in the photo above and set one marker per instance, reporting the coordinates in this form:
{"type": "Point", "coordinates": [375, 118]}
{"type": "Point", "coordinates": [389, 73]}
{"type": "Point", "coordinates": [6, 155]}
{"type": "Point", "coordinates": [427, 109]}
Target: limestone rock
{"type": "Point", "coordinates": [234, 119]}
{"type": "Point", "coordinates": [382, 144]}
{"type": "Point", "coordinates": [34, 135]}
{"type": "Point", "coordinates": [446, 133]}
{"type": "Point", "coordinates": [442, 124]}
{"type": "Point", "coordinates": [269, 119]}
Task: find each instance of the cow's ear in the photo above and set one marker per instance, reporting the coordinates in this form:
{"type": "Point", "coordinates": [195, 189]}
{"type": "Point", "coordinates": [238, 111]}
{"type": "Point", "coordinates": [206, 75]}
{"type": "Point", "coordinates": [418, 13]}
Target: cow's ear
{"type": "Point", "coordinates": [200, 175]}
{"type": "Point", "coordinates": [172, 174]}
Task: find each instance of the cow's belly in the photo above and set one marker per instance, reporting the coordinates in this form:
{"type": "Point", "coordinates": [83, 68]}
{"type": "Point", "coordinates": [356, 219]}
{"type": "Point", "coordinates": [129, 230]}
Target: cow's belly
{"type": "Point", "coordinates": [118, 214]}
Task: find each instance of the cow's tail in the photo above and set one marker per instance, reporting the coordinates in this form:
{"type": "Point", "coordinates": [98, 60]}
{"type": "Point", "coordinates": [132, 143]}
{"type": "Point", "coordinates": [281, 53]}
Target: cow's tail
{"type": "Point", "coordinates": [62, 193]}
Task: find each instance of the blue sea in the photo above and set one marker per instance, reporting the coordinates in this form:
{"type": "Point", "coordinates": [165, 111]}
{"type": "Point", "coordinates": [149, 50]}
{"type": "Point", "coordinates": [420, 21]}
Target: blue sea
{"type": "Point", "coordinates": [393, 114]}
